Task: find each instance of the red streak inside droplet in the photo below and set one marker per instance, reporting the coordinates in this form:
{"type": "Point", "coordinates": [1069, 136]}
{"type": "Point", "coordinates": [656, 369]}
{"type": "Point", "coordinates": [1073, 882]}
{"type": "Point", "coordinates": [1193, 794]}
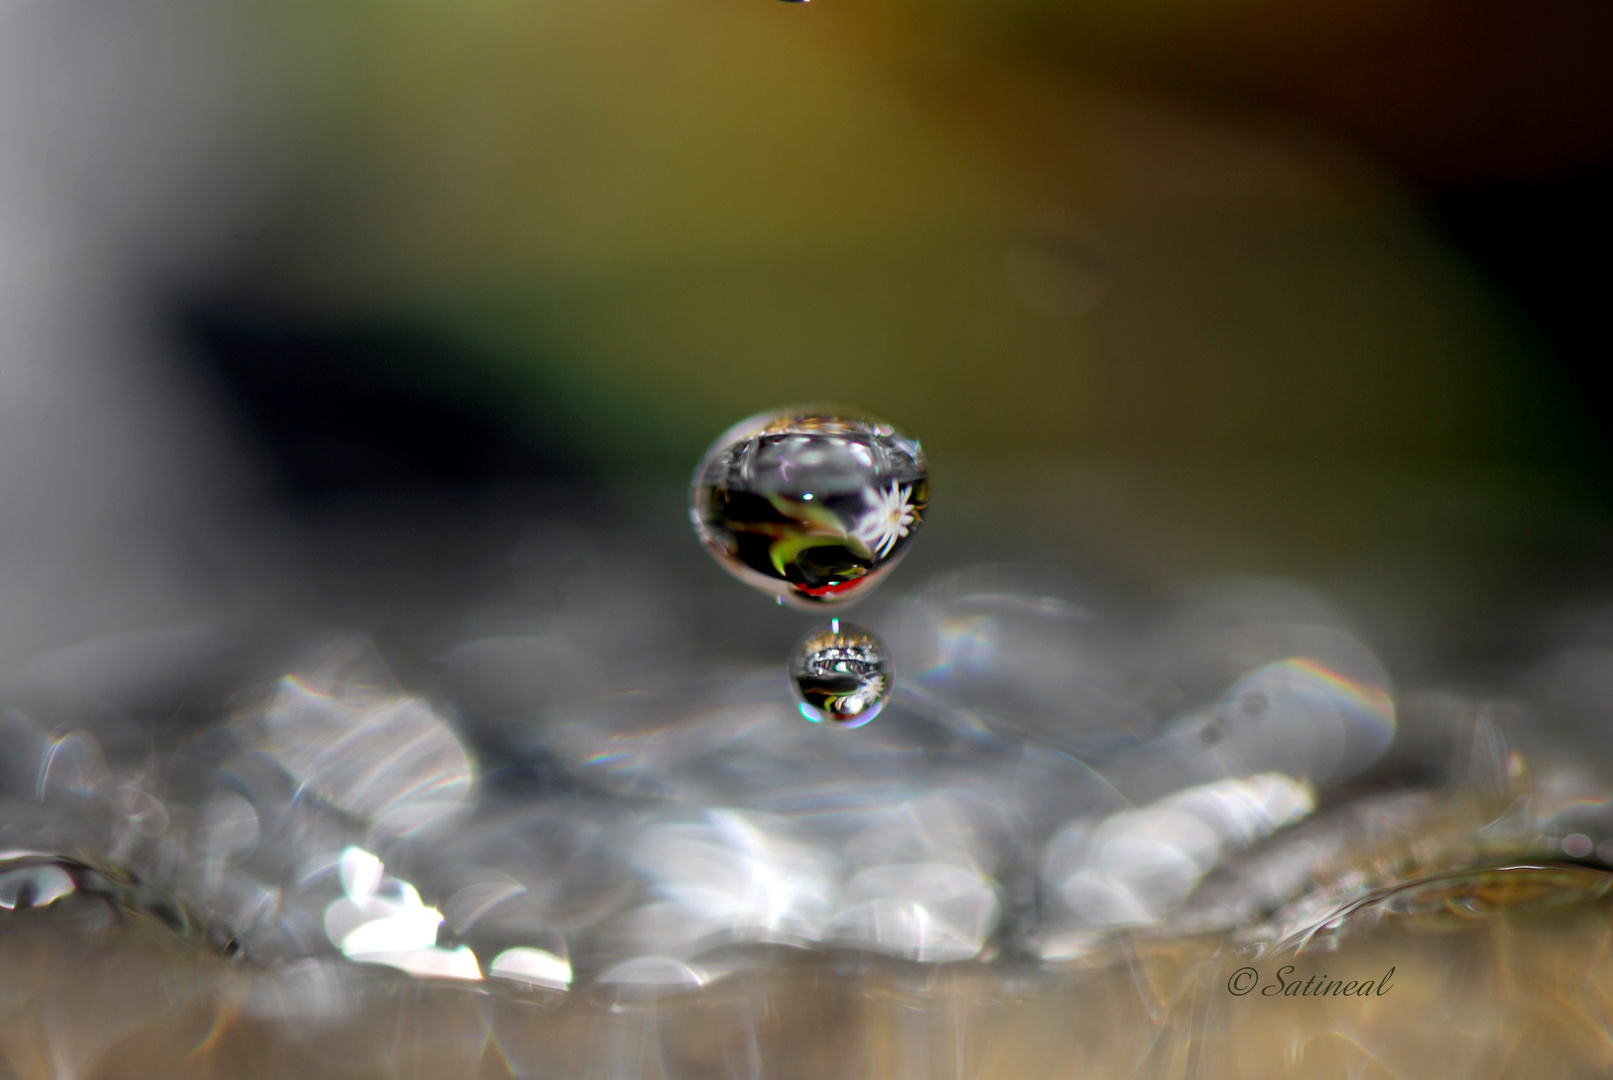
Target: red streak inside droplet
{"type": "Point", "coordinates": [830, 590]}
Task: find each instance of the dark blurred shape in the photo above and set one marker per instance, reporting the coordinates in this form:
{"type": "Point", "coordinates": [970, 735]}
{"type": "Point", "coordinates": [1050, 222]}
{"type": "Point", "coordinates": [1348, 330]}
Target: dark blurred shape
{"type": "Point", "coordinates": [1501, 111]}
{"type": "Point", "coordinates": [1546, 242]}
{"type": "Point", "coordinates": [341, 408]}
{"type": "Point", "coordinates": [1504, 112]}
{"type": "Point", "coordinates": [1450, 92]}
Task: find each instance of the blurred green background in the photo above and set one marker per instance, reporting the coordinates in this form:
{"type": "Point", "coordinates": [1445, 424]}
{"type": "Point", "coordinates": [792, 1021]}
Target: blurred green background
{"type": "Point", "coordinates": [1184, 286]}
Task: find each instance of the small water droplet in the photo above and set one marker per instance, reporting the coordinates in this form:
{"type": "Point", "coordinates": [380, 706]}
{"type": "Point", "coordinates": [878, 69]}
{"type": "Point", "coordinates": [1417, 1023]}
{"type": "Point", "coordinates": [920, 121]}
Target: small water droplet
{"type": "Point", "coordinates": [814, 507]}
{"type": "Point", "coordinates": [842, 675]}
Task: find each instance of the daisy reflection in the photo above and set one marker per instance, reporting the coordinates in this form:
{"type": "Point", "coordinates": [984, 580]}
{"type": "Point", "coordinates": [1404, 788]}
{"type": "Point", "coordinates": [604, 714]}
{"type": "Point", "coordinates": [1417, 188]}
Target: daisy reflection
{"type": "Point", "coordinates": [889, 518]}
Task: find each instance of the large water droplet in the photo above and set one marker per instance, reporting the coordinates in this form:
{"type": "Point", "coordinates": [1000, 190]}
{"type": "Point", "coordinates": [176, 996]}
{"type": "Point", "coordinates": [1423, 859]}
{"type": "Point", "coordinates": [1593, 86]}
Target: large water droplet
{"type": "Point", "coordinates": [811, 506]}
{"type": "Point", "coordinates": [842, 675]}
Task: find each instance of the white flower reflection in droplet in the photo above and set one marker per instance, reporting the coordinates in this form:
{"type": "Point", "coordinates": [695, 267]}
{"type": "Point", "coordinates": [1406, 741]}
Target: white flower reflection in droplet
{"type": "Point", "coordinates": [890, 515]}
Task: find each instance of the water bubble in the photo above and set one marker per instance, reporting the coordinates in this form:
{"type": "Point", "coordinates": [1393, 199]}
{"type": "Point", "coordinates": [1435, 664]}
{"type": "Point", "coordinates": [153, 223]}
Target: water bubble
{"type": "Point", "coordinates": [1297, 717]}
{"type": "Point", "coordinates": [1002, 643]}
{"type": "Point", "coordinates": [811, 506]}
{"type": "Point", "coordinates": [842, 674]}
{"type": "Point", "coordinates": [1577, 845]}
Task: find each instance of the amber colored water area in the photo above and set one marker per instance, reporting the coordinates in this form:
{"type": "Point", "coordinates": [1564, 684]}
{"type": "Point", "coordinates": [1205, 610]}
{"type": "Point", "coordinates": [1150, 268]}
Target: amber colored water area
{"type": "Point", "coordinates": [1518, 993]}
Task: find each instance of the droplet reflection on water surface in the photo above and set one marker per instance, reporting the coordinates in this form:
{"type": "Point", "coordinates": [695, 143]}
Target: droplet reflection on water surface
{"type": "Point", "coordinates": [1047, 862]}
